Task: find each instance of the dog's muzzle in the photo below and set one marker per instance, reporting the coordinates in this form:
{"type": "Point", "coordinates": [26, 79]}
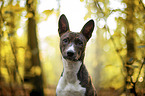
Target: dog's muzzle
{"type": "Point", "coordinates": [70, 55]}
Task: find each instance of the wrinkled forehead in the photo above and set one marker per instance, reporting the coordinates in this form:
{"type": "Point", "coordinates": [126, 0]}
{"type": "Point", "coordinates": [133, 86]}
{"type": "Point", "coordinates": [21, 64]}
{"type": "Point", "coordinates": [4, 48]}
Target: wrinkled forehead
{"type": "Point", "coordinates": [73, 35]}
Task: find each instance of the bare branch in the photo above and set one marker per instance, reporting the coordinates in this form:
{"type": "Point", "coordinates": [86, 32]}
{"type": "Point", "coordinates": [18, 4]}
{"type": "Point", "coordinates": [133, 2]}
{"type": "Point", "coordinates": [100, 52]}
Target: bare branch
{"type": "Point", "coordinates": [16, 65]}
{"type": "Point", "coordinates": [140, 70]}
{"type": "Point", "coordinates": [98, 5]}
{"type": "Point", "coordinates": [10, 83]}
{"type": "Point", "coordinates": [116, 10]}
{"type": "Point", "coordinates": [1, 15]}
{"type": "Point", "coordinates": [142, 4]}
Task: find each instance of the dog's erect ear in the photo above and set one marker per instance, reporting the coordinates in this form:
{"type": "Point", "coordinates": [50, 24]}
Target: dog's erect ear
{"type": "Point", "coordinates": [88, 29]}
{"type": "Point", "coordinates": [63, 25]}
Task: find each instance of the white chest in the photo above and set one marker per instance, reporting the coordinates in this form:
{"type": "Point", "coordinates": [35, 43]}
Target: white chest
{"type": "Point", "coordinates": [69, 85]}
{"type": "Point", "coordinates": [69, 89]}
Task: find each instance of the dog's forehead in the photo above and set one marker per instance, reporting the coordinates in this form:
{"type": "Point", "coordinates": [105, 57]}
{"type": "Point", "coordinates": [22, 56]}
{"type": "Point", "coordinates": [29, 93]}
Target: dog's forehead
{"type": "Point", "coordinates": [70, 34]}
{"type": "Point", "coordinates": [73, 35]}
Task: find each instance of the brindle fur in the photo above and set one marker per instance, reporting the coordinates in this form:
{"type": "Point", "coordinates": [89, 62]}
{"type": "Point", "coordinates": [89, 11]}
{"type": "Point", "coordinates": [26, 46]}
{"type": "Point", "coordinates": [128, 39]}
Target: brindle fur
{"type": "Point", "coordinates": [73, 37]}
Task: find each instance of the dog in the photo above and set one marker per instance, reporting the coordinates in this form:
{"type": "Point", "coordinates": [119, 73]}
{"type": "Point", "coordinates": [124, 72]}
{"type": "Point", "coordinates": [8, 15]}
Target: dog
{"type": "Point", "coordinates": [75, 79]}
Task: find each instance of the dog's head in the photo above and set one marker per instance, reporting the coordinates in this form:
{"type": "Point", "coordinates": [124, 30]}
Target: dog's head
{"type": "Point", "coordinates": [72, 45]}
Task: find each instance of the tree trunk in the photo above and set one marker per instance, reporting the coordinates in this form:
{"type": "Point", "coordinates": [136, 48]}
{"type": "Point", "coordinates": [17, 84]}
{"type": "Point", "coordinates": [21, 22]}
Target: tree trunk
{"type": "Point", "coordinates": [36, 79]}
{"type": "Point", "coordinates": [130, 40]}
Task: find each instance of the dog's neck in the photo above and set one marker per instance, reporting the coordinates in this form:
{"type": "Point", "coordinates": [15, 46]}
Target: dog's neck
{"type": "Point", "coordinates": [71, 69]}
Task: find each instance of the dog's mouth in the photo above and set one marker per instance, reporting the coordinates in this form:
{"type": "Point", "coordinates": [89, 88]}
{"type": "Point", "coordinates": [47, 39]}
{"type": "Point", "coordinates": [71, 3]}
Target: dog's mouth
{"type": "Point", "coordinates": [70, 58]}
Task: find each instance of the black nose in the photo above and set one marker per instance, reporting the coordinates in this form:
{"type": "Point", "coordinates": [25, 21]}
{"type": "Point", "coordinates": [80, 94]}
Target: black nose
{"type": "Point", "coordinates": [70, 53]}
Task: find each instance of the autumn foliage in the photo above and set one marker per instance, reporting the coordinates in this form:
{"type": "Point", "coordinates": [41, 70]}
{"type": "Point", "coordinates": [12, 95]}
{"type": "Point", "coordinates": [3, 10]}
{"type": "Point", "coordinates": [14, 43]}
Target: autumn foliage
{"type": "Point", "coordinates": [30, 60]}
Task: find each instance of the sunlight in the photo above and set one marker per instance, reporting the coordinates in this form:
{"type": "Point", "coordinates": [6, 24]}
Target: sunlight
{"type": "Point", "coordinates": [139, 31]}
{"type": "Point", "coordinates": [75, 16]}
{"type": "Point", "coordinates": [117, 4]}
{"type": "Point", "coordinates": [47, 4]}
{"type": "Point", "coordinates": [101, 23]}
{"type": "Point", "coordinates": [106, 35]}
{"type": "Point", "coordinates": [106, 48]}
{"type": "Point", "coordinates": [20, 32]}
{"type": "Point", "coordinates": [111, 22]}
{"type": "Point", "coordinates": [143, 1]}
{"type": "Point", "coordinates": [140, 79]}
{"type": "Point", "coordinates": [48, 27]}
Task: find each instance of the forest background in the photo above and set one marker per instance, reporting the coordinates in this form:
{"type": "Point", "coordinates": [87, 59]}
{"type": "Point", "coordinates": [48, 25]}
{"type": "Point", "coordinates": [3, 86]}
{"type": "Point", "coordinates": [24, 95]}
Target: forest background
{"type": "Point", "coordinates": [30, 60]}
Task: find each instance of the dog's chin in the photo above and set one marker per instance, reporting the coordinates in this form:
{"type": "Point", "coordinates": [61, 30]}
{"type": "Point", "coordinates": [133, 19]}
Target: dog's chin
{"type": "Point", "coordinates": [70, 58]}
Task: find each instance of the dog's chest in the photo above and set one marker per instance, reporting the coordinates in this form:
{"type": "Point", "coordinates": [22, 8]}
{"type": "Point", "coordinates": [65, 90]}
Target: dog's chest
{"type": "Point", "coordinates": [69, 85]}
{"type": "Point", "coordinates": [69, 89]}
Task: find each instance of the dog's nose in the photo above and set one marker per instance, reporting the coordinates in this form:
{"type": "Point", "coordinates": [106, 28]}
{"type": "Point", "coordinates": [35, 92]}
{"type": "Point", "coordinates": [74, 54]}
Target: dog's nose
{"type": "Point", "coordinates": [70, 53]}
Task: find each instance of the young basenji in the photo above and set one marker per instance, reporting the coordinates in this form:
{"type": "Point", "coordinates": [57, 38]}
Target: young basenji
{"type": "Point", "coordinates": [75, 79]}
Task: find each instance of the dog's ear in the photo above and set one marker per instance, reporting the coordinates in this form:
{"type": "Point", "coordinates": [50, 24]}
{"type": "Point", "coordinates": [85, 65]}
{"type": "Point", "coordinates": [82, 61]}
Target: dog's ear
{"type": "Point", "coordinates": [63, 25]}
{"type": "Point", "coordinates": [88, 29]}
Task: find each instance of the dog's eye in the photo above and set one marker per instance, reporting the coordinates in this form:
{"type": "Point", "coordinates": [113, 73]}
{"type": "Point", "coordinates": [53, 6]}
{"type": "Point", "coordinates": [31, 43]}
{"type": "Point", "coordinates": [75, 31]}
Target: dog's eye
{"type": "Point", "coordinates": [79, 42]}
{"type": "Point", "coordinates": [65, 40]}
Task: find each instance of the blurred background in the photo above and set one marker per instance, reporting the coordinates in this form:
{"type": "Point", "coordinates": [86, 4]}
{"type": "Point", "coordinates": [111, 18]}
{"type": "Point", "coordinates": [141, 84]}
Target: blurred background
{"type": "Point", "coordinates": [30, 59]}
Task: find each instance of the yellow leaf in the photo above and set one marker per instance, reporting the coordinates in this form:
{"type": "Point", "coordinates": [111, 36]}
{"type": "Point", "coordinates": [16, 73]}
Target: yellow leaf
{"type": "Point", "coordinates": [47, 13]}
{"type": "Point", "coordinates": [136, 2]}
{"type": "Point", "coordinates": [30, 1]}
{"type": "Point", "coordinates": [87, 16]}
{"type": "Point", "coordinates": [17, 8]}
{"type": "Point", "coordinates": [129, 86]}
{"type": "Point", "coordinates": [117, 34]}
{"type": "Point", "coordinates": [29, 15]}
{"type": "Point", "coordinates": [11, 8]}
{"type": "Point", "coordinates": [36, 70]}
{"type": "Point", "coordinates": [81, 0]}
{"type": "Point", "coordinates": [130, 26]}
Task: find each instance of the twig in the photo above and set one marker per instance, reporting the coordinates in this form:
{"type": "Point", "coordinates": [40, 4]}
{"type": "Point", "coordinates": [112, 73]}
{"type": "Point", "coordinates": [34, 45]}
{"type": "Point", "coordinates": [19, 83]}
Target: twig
{"type": "Point", "coordinates": [115, 11]}
{"type": "Point", "coordinates": [1, 11]}
{"type": "Point", "coordinates": [140, 70]}
{"type": "Point", "coordinates": [16, 65]}
{"type": "Point", "coordinates": [142, 4]}
{"type": "Point", "coordinates": [10, 83]}
{"type": "Point", "coordinates": [99, 7]}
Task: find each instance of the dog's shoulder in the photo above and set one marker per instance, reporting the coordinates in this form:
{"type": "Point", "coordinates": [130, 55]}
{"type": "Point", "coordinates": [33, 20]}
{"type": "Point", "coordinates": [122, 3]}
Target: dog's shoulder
{"type": "Point", "coordinates": [85, 81]}
{"type": "Point", "coordinates": [83, 75]}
